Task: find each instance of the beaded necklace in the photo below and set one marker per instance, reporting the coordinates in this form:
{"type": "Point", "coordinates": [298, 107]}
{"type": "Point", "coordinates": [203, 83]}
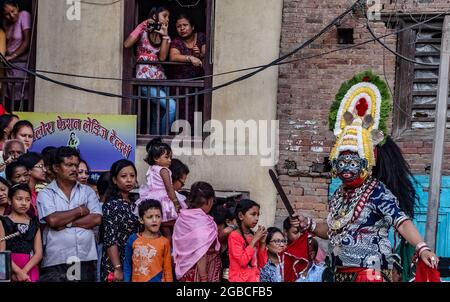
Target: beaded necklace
{"type": "Point", "coordinates": [345, 208]}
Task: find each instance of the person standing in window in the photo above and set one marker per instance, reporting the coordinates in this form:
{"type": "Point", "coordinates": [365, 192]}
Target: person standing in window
{"type": "Point", "coordinates": [17, 25]}
{"type": "Point", "coordinates": [189, 47]}
{"type": "Point", "coordinates": [2, 51]}
{"type": "Point", "coordinates": [153, 42]}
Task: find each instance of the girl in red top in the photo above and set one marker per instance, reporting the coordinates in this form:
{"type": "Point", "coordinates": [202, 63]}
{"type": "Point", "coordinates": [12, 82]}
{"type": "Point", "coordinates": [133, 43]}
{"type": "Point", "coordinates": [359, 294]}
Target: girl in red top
{"type": "Point", "coordinates": [247, 249]}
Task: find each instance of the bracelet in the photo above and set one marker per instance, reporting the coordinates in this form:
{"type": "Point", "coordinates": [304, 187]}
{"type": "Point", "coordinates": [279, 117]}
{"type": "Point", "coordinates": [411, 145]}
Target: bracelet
{"type": "Point", "coordinates": [422, 249]}
{"type": "Point", "coordinates": [420, 245]}
{"type": "Point", "coordinates": [117, 266]}
{"type": "Point", "coordinates": [309, 223]}
{"type": "Point", "coordinates": [312, 226]}
{"type": "Point", "coordinates": [188, 59]}
{"type": "Point", "coordinates": [166, 38]}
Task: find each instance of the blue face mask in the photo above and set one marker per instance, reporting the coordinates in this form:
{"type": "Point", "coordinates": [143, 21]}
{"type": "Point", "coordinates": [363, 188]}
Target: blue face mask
{"type": "Point", "coordinates": [349, 166]}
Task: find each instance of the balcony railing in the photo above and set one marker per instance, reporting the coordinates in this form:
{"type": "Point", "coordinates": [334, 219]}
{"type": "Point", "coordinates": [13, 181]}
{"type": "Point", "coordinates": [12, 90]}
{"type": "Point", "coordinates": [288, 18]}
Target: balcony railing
{"type": "Point", "coordinates": [16, 93]}
{"type": "Point", "coordinates": [156, 109]}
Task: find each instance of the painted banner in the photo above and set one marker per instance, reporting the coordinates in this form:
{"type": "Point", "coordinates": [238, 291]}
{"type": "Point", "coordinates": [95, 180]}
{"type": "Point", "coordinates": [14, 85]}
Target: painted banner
{"type": "Point", "coordinates": [100, 139]}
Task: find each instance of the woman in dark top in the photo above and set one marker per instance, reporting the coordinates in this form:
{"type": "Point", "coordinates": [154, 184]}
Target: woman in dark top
{"type": "Point", "coordinates": [189, 47]}
{"type": "Point", "coordinates": [119, 222]}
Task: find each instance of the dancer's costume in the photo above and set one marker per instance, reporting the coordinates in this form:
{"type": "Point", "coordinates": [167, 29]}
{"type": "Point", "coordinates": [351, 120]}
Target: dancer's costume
{"type": "Point", "coordinates": [362, 211]}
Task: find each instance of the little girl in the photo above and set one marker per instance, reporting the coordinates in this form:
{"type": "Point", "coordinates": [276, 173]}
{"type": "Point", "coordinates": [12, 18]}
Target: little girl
{"type": "Point", "coordinates": [26, 246]}
{"type": "Point", "coordinates": [159, 184]}
{"type": "Point", "coordinates": [247, 249]}
{"type": "Point", "coordinates": [224, 217]}
{"type": "Point", "coordinates": [147, 254]}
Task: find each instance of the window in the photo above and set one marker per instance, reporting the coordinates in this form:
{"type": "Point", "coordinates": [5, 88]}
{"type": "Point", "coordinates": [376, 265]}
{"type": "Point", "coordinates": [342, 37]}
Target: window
{"type": "Point", "coordinates": [416, 85]}
{"type": "Point", "coordinates": [345, 35]}
{"type": "Point", "coordinates": [151, 113]}
{"type": "Point", "coordinates": [17, 91]}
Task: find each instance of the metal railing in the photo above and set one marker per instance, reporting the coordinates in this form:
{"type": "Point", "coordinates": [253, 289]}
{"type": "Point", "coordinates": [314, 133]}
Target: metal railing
{"type": "Point", "coordinates": [156, 111]}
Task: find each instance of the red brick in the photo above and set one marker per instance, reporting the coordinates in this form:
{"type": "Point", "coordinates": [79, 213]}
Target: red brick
{"type": "Point", "coordinates": [297, 191]}
{"type": "Point", "coordinates": [308, 87]}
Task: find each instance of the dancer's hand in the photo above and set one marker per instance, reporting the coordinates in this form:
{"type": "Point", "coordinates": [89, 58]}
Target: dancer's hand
{"type": "Point", "coordinates": [430, 258]}
{"type": "Point", "coordinates": [299, 221]}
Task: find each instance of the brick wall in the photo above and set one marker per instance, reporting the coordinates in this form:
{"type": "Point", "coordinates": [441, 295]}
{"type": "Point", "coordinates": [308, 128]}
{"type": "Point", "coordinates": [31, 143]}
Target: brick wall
{"type": "Point", "coordinates": [307, 89]}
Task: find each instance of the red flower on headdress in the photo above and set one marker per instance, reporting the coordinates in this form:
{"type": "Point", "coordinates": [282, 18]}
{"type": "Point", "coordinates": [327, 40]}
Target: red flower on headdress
{"type": "Point", "coordinates": [366, 79]}
{"type": "Point", "coordinates": [362, 107]}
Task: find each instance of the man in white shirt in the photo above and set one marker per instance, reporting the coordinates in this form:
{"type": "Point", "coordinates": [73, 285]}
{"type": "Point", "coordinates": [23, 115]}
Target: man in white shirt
{"type": "Point", "coordinates": [69, 211]}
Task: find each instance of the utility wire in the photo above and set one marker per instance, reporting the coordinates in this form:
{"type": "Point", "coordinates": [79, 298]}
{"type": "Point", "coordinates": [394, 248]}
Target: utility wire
{"type": "Point", "coordinates": [262, 67]}
{"type": "Point", "coordinates": [204, 91]}
{"type": "Point", "coordinates": [100, 4]}
{"type": "Point", "coordinates": [378, 39]}
{"type": "Point", "coordinates": [243, 69]}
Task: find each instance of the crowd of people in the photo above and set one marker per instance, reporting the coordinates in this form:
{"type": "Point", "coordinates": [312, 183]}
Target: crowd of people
{"type": "Point", "coordinates": [60, 225]}
{"type": "Point", "coordinates": [59, 217]}
{"type": "Point", "coordinates": [55, 217]}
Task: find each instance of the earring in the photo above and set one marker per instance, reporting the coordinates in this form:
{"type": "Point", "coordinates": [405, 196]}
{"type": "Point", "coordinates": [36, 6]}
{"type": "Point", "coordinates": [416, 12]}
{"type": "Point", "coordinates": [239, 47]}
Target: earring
{"type": "Point", "coordinates": [364, 174]}
{"type": "Point", "coordinates": [333, 173]}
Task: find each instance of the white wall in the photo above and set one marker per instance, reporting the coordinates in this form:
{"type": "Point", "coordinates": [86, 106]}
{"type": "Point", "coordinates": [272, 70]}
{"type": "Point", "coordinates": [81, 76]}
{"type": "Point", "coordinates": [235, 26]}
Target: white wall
{"type": "Point", "coordinates": [247, 33]}
{"type": "Point", "coordinates": [90, 46]}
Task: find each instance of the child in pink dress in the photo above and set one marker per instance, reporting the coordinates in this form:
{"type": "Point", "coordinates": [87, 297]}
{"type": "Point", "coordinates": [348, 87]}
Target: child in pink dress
{"type": "Point", "coordinates": [159, 184]}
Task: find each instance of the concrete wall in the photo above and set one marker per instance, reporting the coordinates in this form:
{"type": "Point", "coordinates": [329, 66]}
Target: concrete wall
{"type": "Point", "coordinates": [91, 46]}
{"type": "Point", "coordinates": [244, 36]}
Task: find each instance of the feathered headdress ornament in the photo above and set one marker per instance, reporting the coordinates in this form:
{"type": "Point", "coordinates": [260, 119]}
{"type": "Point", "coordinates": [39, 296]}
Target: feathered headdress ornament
{"type": "Point", "coordinates": [358, 116]}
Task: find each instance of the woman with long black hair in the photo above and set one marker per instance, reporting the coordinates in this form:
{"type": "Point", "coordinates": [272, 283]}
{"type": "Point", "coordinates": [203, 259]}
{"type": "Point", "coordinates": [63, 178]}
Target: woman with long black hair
{"type": "Point", "coordinates": [119, 221]}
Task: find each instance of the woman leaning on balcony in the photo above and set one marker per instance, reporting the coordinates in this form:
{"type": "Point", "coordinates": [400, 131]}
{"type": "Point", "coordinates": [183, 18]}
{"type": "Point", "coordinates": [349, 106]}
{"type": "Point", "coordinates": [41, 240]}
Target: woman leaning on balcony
{"type": "Point", "coordinates": [17, 25]}
{"type": "Point", "coordinates": [189, 47]}
{"type": "Point", "coordinates": [153, 42]}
